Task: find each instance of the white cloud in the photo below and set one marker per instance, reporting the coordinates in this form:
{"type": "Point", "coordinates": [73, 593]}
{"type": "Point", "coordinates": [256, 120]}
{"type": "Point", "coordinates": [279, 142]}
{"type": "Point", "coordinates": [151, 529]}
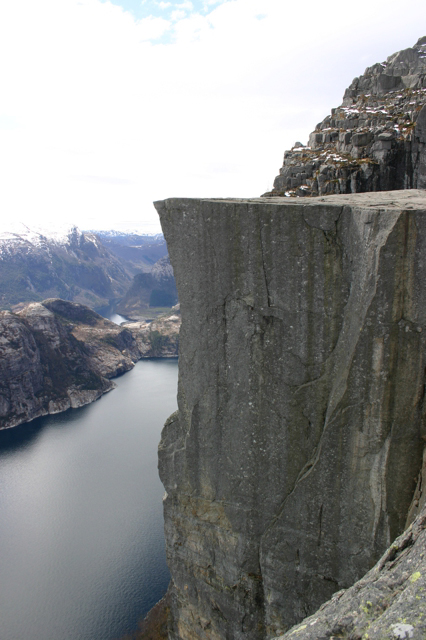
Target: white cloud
{"type": "Point", "coordinates": [185, 5]}
{"type": "Point", "coordinates": [163, 5]}
{"type": "Point", "coordinates": [210, 3]}
{"type": "Point", "coordinates": [152, 28]}
{"type": "Point", "coordinates": [177, 15]}
{"type": "Point", "coordinates": [99, 121]}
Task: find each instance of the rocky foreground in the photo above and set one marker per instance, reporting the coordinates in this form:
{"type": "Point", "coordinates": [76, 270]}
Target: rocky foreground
{"type": "Point", "coordinates": [58, 354]}
{"type": "Point", "coordinates": [389, 603]}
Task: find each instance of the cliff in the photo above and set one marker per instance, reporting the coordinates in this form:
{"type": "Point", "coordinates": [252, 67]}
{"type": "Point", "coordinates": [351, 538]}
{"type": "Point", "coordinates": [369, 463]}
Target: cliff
{"type": "Point", "coordinates": [58, 354]}
{"type": "Point", "coordinates": [388, 603]}
{"type": "Point", "coordinates": [290, 465]}
{"type": "Point", "coordinates": [150, 291]}
{"type": "Point", "coordinates": [374, 141]}
{"type": "Point", "coordinates": [158, 338]}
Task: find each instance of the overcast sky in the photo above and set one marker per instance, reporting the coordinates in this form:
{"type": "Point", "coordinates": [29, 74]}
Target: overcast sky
{"type": "Point", "coordinates": [108, 105]}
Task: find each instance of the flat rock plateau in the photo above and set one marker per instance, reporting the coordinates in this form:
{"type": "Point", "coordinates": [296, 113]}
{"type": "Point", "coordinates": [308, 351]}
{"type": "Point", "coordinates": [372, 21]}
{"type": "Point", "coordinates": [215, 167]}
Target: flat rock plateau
{"type": "Point", "coordinates": [296, 454]}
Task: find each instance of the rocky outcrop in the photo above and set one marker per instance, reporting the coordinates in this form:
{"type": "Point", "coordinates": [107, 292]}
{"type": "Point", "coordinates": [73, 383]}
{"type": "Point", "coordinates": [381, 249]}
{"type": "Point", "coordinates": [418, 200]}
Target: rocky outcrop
{"type": "Point", "coordinates": [388, 603]}
{"type": "Point", "coordinates": [158, 338]}
{"type": "Point", "coordinates": [375, 141]}
{"type": "Point", "coordinates": [291, 463]}
{"type": "Point", "coordinates": [150, 291]}
{"type": "Point", "coordinates": [58, 354]}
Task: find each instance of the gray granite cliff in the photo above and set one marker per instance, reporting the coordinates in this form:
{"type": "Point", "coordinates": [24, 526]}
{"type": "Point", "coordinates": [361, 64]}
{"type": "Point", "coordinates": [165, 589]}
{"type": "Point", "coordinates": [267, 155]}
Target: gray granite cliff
{"type": "Point", "coordinates": [375, 141]}
{"type": "Point", "coordinates": [387, 604]}
{"type": "Point", "coordinates": [292, 461]}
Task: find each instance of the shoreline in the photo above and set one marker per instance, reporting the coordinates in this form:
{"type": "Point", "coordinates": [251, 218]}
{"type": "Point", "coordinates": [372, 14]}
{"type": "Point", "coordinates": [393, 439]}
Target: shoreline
{"type": "Point", "coordinates": [154, 626]}
{"type": "Point", "coordinates": [73, 402]}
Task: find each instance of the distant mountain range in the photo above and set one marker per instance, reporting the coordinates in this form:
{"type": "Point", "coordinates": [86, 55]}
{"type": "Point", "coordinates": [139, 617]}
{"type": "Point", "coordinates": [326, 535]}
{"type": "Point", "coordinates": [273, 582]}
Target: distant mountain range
{"type": "Point", "coordinates": [137, 250]}
{"type": "Point", "coordinates": [94, 268]}
{"type": "Point", "coordinates": [155, 289]}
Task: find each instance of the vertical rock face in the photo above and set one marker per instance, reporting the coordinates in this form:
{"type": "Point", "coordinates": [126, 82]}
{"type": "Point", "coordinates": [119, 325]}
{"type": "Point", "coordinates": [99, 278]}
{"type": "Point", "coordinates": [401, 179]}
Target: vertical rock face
{"type": "Point", "coordinates": [387, 603]}
{"type": "Point", "coordinates": [291, 463]}
{"type": "Point", "coordinates": [375, 141]}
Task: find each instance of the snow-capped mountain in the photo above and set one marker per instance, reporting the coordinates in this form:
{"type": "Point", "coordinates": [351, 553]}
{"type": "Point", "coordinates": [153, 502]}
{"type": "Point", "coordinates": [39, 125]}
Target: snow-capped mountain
{"type": "Point", "coordinates": [127, 233]}
{"type": "Point", "coordinates": [139, 250]}
{"type": "Point", "coordinates": [58, 261]}
{"type": "Point", "coordinates": [20, 234]}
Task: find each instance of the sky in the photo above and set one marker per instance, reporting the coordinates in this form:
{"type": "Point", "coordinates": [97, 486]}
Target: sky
{"type": "Point", "coordinates": [108, 105]}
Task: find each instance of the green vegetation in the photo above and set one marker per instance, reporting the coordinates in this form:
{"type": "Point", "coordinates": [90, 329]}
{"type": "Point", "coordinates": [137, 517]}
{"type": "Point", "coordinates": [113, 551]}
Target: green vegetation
{"type": "Point", "coordinates": [158, 342]}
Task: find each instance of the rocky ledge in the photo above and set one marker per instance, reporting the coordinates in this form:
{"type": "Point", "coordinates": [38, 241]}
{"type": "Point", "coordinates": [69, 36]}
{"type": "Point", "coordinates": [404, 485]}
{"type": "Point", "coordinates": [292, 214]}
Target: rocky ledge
{"type": "Point", "coordinates": [291, 463]}
{"type": "Point", "coordinates": [375, 141]}
{"type": "Point", "coordinates": [158, 337]}
{"type": "Point", "coordinates": [58, 354]}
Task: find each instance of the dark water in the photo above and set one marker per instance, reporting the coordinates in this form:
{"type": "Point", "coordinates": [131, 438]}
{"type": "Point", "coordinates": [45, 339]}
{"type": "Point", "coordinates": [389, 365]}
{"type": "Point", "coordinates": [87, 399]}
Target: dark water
{"type": "Point", "coordinates": [81, 531]}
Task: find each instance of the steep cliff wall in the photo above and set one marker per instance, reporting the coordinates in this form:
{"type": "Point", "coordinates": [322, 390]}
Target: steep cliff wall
{"type": "Point", "coordinates": [290, 465]}
{"type": "Point", "coordinates": [387, 604]}
{"type": "Point", "coordinates": [376, 140]}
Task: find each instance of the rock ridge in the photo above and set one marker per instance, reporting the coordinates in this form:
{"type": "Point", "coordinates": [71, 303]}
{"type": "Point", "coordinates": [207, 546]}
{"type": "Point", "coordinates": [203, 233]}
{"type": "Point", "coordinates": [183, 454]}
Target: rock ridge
{"type": "Point", "coordinates": [374, 141]}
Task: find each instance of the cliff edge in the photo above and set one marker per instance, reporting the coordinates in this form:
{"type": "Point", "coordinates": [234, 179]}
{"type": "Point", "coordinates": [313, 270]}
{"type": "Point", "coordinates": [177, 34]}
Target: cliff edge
{"type": "Point", "coordinates": [291, 463]}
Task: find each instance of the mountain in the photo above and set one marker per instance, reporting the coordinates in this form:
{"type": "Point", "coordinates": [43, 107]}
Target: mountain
{"type": "Point", "coordinates": [39, 263]}
{"type": "Point", "coordinates": [139, 251]}
{"type": "Point", "coordinates": [374, 141]}
{"type": "Point", "coordinates": [150, 291]}
{"type": "Point", "coordinates": [59, 354]}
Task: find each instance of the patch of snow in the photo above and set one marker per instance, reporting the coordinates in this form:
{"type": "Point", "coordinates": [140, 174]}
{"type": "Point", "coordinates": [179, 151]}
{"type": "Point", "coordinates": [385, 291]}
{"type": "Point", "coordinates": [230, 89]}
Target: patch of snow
{"type": "Point", "coordinates": [38, 234]}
